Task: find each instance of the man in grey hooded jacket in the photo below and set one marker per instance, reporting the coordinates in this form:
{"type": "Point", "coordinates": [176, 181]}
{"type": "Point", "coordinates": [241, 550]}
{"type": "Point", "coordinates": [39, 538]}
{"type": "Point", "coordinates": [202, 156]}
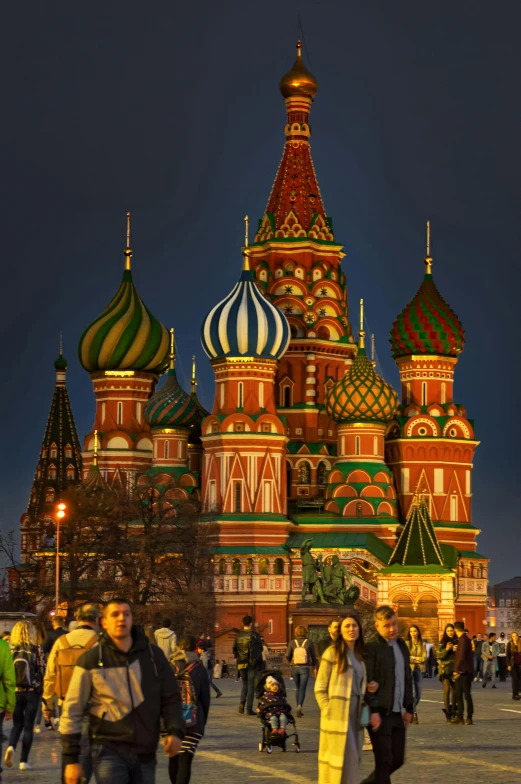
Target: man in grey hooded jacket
{"type": "Point", "coordinates": [166, 639]}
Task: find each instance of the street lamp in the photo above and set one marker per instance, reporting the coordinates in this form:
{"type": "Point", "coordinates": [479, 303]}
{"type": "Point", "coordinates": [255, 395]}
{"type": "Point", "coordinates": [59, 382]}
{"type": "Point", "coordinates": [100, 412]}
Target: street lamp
{"type": "Point", "coordinates": [60, 514]}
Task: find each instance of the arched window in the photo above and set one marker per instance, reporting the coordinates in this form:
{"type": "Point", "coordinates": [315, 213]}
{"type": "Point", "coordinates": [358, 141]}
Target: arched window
{"type": "Point", "coordinates": [238, 497]}
{"type": "Point", "coordinates": [236, 567]}
{"type": "Point", "coordinates": [49, 495]}
{"type": "Point", "coordinates": [287, 396]}
{"type": "Point", "coordinates": [71, 473]}
{"type": "Point", "coordinates": [241, 394]}
{"type": "Point", "coordinates": [443, 393]}
{"type": "Point", "coordinates": [357, 445]}
{"type": "Point", "coordinates": [264, 567]}
{"type": "Point", "coordinates": [322, 470]}
{"type": "Point", "coordinates": [68, 452]}
{"type": "Point", "coordinates": [167, 449]}
{"type": "Point", "coordinates": [51, 472]}
{"type": "Point", "coordinates": [222, 566]}
{"type": "Point", "coordinates": [278, 567]}
{"type": "Point", "coordinates": [120, 413]}
{"type": "Point", "coordinates": [54, 452]}
{"type": "Point", "coordinates": [249, 565]}
{"type": "Point", "coordinates": [304, 473]}
{"type": "Point", "coordinates": [424, 393]}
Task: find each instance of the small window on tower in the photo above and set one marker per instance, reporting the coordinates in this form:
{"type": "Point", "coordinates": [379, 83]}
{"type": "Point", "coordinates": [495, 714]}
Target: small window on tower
{"type": "Point", "coordinates": [357, 445]}
{"type": "Point", "coordinates": [266, 427]}
{"type": "Point", "coordinates": [71, 473]}
{"type": "Point", "coordinates": [240, 399]}
{"type": "Point", "coordinates": [49, 495]}
{"type": "Point", "coordinates": [215, 428]}
{"type": "Point", "coordinates": [51, 472]}
{"type": "Point", "coordinates": [54, 452]}
{"type": "Point", "coordinates": [424, 393]}
{"type": "Point", "coordinates": [167, 449]}
{"type": "Point", "coordinates": [238, 495]}
{"type": "Point", "coordinates": [68, 452]}
{"type": "Point", "coordinates": [443, 393]}
{"type": "Point", "coordinates": [120, 413]}
{"type": "Point", "coordinates": [287, 397]}
{"type": "Point", "coordinates": [238, 427]}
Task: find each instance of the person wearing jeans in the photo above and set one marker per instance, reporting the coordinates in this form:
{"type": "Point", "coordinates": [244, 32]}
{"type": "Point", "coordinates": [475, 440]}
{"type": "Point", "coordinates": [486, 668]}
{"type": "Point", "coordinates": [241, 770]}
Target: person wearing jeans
{"type": "Point", "coordinates": [463, 672]}
{"type": "Point", "coordinates": [7, 689]}
{"type": "Point", "coordinates": [418, 657]}
{"type": "Point", "coordinates": [247, 649]}
{"type": "Point", "coordinates": [27, 661]}
{"type": "Point", "coordinates": [477, 643]}
{"type": "Point", "coordinates": [301, 655]}
{"type": "Point", "coordinates": [489, 652]}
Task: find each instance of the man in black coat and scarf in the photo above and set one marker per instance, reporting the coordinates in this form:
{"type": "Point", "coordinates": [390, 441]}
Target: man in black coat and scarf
{"type": "Point", "coordinates": [391, 705]}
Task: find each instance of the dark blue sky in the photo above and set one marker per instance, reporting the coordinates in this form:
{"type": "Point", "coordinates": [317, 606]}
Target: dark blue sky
{"type": "Point", "coordinates": [172, 111]}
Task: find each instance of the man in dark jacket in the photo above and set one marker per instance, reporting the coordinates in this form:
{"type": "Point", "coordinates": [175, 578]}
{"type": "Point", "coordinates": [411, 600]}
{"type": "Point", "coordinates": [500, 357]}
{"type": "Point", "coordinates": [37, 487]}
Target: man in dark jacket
{"type": "Point", "coordinates": [463, 672]}
{"type": "Point", "coordinates": [392, 704]}
{"type": "Point", "coordinates": [129, 686]}
{"type": "Point", "coordinates": [57, 630]}
{"type": "Point", "coordinates": [247, 649]}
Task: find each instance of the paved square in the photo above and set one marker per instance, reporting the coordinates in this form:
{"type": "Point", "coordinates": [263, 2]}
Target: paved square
{"type": "Point", "coordinates": [491, 748]}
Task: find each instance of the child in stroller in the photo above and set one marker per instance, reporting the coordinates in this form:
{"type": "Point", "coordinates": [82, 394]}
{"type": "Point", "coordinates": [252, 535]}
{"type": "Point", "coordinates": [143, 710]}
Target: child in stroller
{"type": "Point", "coordinates": [274, 712]}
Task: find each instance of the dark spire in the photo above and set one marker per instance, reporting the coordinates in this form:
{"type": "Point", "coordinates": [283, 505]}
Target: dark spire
{"type": "Point", "coordinates": [59, 465]}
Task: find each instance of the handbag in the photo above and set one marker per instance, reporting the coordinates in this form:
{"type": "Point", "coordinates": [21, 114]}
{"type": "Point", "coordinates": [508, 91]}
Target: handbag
{"type": "Point", "coordinates": [365, 716]}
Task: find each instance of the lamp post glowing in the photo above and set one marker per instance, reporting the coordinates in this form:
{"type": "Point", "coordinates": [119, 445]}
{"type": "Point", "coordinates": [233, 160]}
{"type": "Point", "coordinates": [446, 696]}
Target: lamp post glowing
{"type": "Point", "coordinates": [60, 514]}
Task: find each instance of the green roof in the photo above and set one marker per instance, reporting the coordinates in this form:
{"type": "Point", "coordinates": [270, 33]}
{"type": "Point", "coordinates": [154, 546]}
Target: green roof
{"type": "Point", "coordinates": [427, 569]}
{"type": "Point", "coordinates": [471, 554]}
{"type": "Point", "coordinates": [417, 545]}
{"type": "Point", "coordinates": [329, 519]}
{"type": "Point", "coordinates": [343, 540]}
{"type": "Point", "coordinates": [314, 449]}
{"type": "Point", "coordinates": [450, 555]}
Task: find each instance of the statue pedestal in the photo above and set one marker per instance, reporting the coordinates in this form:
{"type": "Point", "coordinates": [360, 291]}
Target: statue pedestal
{"type": "Point", "coordinates": [316, 617]}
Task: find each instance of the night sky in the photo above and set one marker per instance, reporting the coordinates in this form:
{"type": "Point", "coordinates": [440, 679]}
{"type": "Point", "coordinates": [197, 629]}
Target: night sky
{"type": "Point", "coordinates": [172, 111]}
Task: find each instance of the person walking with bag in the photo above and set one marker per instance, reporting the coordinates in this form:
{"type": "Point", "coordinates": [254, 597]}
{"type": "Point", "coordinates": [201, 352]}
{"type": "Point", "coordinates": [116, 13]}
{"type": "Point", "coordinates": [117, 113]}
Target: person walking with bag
{"type": "Point", "coordinates": [7, 690]}
{"type": "Point", "coordinates": [418, 658]}
{"type": "Point", "coordinates": [301, 655]}
{"type": "Point", "coordinates": [514, 663]}
{"type": "Point", "coordinates": [446, 655]}
{"type": "Point", "coordinates": [247, 649]}
{"type": "Point", "coordinates": [28, 666]}
{"type": "Point", "coordinates": [339, 690]}
{"type": "Point", "coordinates": [195, 687]}
{"type": "Point", "coordinates": [489, 653]}
{"type": "Point", "coordinates": [63, 657]}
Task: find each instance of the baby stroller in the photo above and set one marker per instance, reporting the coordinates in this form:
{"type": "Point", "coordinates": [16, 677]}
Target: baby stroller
{"type": "Point", "coordinates": [269, 741]}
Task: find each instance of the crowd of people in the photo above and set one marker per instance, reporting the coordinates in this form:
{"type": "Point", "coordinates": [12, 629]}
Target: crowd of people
{"type": "Point", "coordinates": [115, 690]}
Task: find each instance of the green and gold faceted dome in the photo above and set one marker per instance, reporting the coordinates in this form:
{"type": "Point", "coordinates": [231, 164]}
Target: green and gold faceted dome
{"type": "Point", "coordinates": [361, 395]}
{"type": "Point", "coordinates": [126, 336]}
{"type": "Point", "coordinates": [171, 406]}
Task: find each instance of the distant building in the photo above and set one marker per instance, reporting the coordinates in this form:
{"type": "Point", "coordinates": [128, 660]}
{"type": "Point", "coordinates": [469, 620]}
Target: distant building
{"type": "Point", "coordinates": [504, 607]}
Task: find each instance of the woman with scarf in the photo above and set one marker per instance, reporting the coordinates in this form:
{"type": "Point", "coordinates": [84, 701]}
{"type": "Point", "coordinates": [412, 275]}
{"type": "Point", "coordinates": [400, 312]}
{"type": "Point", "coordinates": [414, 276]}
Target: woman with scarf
{"type": "Point", "coordinates": [446, 654]}
{"type": "Point", "coordinates": [186, 660]}
{"type": "Point", "coordinates": [418, 657]}
{"type": "Point", "coordinates": [514, 663]}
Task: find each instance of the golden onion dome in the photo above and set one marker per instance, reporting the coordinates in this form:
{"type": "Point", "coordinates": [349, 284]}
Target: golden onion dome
{"type": "Point", "coordinates": [298, 81]}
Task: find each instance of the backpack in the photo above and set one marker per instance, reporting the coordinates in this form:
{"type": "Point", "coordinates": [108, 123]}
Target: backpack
{"type": "Point", "coordinates": [22, 661]}
{"type": "Point", "coordinates": [255, 656]}
{"type": "Point", "coordinates": [188, 695]}
{"type": "Point", "coordinates": [66, 660]}
{"type": "Point", "coordinates": [300, 654]}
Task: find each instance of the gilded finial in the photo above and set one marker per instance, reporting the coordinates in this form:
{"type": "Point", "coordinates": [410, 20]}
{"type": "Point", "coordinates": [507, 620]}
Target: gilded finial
{"type": "Point", "coordinates": [194, 382]}
{"type": "Point", "coordinates": [299, 48]}
{"type": "Point", "coordinates": [361, 343]}
{"type": "Point", "coordinates": [128, 249]}
{"type": "Point", "coordinates": [95, 451]}
{"type": "Point", "coordinates": [246, 252]}
{"type": "Point", "coordinates": [172, 350]}
{"type": "Point", "coordinates": [373, 352]}
{"type": "Point", "coordinates": [428, 257]}
{"type": "Point", "coordinates": [61, 343]}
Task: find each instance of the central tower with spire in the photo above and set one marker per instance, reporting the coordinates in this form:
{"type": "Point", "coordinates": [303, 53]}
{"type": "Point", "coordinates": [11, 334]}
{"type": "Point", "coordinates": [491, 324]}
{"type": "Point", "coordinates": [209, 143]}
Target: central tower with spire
{"type": "Point", "coordinates": [296, 263]}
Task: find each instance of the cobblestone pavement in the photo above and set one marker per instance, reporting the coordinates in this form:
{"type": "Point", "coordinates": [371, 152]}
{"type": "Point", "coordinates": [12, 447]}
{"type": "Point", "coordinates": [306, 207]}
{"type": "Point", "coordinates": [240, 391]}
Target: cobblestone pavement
{"type": "Point", "coordinates": [229, 751]}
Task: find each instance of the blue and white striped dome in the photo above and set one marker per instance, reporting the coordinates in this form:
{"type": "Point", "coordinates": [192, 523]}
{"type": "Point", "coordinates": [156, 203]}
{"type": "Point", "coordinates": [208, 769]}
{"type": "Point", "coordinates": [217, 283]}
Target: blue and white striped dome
{"type": "Point", "coordinates": [245, 324]}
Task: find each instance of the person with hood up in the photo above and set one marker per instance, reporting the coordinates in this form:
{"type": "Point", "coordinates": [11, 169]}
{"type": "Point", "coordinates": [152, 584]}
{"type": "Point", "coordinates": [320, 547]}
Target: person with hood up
{"type": "Point", "coordinates": [166, 639]}
{"type": "Point", "coordinates": [127, 687]}
{"type": "Point", "coordinates": [186, 660]}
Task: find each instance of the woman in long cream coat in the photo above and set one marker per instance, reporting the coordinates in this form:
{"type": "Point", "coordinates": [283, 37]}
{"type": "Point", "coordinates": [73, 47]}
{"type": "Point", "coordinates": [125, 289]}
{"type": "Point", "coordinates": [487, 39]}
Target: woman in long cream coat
{"type": "Point", "coordinates": [340, 689]}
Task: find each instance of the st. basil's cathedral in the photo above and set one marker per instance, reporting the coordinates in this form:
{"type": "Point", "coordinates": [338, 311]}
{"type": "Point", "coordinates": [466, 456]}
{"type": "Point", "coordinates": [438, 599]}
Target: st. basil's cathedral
{"type": "Point", "coordinates": [305, 441]}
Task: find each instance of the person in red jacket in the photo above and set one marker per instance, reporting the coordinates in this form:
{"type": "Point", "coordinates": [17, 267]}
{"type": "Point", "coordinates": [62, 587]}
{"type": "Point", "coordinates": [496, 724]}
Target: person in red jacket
{"type": "Point", "coordinates": [463, 675]}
